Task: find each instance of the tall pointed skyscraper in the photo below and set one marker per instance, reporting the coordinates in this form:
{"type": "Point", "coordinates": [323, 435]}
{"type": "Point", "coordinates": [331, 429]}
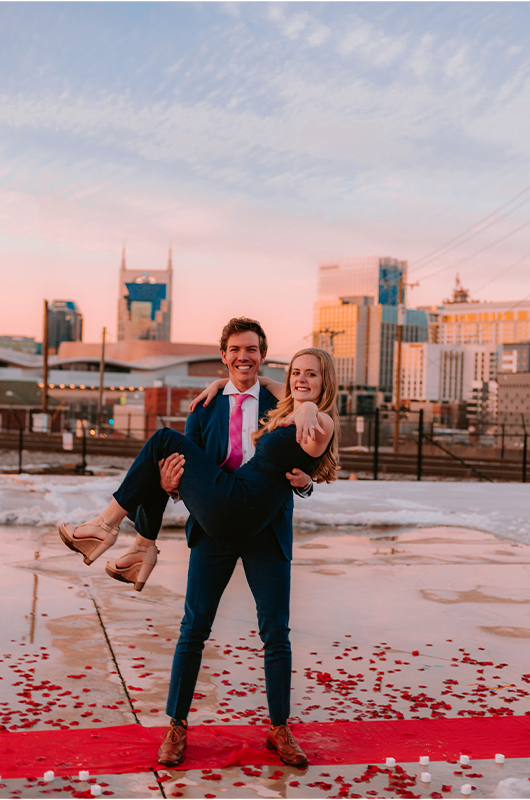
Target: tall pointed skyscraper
{"type": "Point", "coordinates": [144, 304]}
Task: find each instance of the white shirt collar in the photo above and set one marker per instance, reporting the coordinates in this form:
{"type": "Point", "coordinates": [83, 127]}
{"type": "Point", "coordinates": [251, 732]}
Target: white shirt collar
{"type": "Point", "coordinates": [231, 389]}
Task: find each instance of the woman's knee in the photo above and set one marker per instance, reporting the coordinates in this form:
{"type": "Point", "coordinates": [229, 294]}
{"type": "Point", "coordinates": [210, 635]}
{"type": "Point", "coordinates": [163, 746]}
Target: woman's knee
{"type": "Point", "coordinates": [166, 441]}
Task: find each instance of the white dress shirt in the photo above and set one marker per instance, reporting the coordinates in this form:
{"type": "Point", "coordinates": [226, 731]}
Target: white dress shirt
{"type": "Point", "coordinates": [250, 417]}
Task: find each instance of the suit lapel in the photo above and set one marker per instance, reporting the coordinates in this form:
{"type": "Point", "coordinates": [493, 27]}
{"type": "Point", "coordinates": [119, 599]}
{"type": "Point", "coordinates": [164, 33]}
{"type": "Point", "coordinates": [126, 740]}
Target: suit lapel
{"type": "Point", "coordinates": [223, 419]}
{"type": "Point", "coordinates": [266, 402]}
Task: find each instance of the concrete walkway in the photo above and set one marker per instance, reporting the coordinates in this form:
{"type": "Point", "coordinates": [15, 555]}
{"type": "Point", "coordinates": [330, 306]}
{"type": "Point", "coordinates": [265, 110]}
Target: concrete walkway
{"type": "Point", "coordinates": [362, 602]}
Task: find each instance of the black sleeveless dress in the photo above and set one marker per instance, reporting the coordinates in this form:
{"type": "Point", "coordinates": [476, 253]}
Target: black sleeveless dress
{"type": "Point", "coordinates": [245, 501]}
{"type": "Point", "coordinates": [226, 505]}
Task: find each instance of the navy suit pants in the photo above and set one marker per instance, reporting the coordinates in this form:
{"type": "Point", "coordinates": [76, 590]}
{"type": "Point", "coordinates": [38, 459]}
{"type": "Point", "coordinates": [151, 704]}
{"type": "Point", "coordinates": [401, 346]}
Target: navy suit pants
{"type": "Point", "coordinates": [268, 573]}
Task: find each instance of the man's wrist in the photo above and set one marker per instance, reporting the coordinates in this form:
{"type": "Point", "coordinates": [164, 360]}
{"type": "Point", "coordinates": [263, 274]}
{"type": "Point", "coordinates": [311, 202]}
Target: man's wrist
{"type": "Point", "coordinates": [306, 490]}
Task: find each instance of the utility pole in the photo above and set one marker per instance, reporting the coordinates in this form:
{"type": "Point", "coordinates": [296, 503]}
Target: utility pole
{"type": "Point", "coordinates": [331, 335]}
{"type": "Point", "coordinates": [45, 359]}
{"type": "Point", "coordinates": [399, 338]}
{"type": "Point", "coordinates": [401, 321]}
{"type": "Point", "coordinates": [101, 377]}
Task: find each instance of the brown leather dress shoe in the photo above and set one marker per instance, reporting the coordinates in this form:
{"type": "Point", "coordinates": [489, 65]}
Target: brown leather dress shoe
{"type": "Point", "coordinates": [282, 740]}
{"type": "Point", "coordinates": [173, 748]}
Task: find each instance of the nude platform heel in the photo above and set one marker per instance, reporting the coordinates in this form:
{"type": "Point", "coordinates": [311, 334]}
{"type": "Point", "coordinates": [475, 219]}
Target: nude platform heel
{"type": "Point", "coordinates": [90, 547]}
{"type": "Point", "coordinates": [136, 573]}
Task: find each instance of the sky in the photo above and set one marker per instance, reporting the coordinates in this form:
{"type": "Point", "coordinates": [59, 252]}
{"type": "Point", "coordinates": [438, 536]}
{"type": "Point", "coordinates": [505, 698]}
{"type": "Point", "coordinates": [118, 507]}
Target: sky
{"type": "Point", "coordinates": [258, 140]}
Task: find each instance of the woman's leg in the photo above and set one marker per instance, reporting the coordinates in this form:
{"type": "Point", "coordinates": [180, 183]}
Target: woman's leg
{"type": "Point", "coordinates": [212, 496]}
{"type": "Point", "coordinates": [113, 515]}
{"type": "Point", "coordinates": [140, 492]}
{"type": "Point", "coordinates": [224, 505]}
{"type": "Point", "coordinates": [94, 537]}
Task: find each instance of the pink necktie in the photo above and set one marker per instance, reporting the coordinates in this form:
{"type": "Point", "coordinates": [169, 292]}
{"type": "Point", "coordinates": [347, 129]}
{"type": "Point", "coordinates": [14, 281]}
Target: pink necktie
{"type": "Point", "coordinates": [235, 431]}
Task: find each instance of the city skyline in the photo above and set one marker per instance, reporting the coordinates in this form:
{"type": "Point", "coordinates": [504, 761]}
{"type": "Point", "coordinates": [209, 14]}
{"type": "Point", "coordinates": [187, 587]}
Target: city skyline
{"type": "Point", "coordinates": [257, 140]}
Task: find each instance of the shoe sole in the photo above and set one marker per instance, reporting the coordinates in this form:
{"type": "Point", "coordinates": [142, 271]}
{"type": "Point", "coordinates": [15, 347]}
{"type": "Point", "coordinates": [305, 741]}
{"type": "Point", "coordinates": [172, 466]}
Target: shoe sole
{"type": "Point", "coordinates": [138, 585]}
{"type": "Point", "coordinates": [270, 746]}
{"type": "Point", "coordinates": [170, 763]}
{"type": "Point", "coordinates": [68, 541]}
{"type": "Point", "coordinates": [117, 576]}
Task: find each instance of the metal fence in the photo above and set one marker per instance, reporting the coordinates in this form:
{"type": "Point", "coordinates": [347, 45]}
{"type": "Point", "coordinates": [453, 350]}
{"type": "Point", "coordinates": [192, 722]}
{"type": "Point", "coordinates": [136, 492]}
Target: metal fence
{"type": "Point", "coordinates": [497, 452]}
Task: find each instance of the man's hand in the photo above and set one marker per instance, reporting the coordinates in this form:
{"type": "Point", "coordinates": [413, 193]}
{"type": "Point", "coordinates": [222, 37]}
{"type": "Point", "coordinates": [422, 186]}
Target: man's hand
{"type": "Point", "coordinates": [298, 479]}
{"type": "Point", "coordinates": [171, 471]}
{"type": "Point", "coordinates": [306, 420]}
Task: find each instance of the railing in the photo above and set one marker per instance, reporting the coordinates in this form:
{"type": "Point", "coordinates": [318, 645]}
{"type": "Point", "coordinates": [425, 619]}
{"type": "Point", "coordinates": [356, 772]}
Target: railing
{"type": "Point", "coordinates": [83, 446]}
{"type": "Point", "coordinates": [421, 453]}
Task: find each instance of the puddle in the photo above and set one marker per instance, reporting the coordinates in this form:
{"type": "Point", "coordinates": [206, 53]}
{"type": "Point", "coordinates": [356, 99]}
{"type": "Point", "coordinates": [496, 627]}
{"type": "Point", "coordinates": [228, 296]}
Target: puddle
{"type": "Point", "coordinates": [477, 596]}
{"type": "Point", "coordinates": [391, 532]}
{"type": "Point", "coordinates": [337, 546]}
{"type": "Point", "coordinates": [514, 633]}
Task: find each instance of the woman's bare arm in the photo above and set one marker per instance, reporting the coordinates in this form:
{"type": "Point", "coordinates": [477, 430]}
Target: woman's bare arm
{"type": "Point", "coordinates": [274, 387]}
{"type": "Point", "coordinates": [208, 394]}
{"type": "Point", "coordinates": [306, 420]}
{"type": "Point", "coordinates": [320, 435]}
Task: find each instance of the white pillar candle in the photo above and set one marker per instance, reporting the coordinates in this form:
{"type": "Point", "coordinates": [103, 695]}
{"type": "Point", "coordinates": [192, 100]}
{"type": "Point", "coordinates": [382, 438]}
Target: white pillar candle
{"type": "Point", "coordinates": [95, 790]}
{"type": "Point", "coordinates": [49, 775]}
{"type": "Point", "coordinates": [466, 788]}
{"type": "Point", "coordinates": [424, 760]}
{"type": "Point", "coordinates": [464, 760]}
{"type": "Point", "coordinates": [425, 777]}
{"type": "Point", "coordinates": [390, 762]}
{"type": "Point", "coordinates": [499, 758]}
{"type": "Point", "coordinates": [84, 775]}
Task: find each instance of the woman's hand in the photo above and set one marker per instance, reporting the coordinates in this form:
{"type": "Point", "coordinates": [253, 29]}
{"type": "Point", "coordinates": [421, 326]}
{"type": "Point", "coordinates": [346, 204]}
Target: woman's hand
{"type": "Point", "coordinates": [208, 394]}
{"type": "Point", "coordinates": [306, 420]}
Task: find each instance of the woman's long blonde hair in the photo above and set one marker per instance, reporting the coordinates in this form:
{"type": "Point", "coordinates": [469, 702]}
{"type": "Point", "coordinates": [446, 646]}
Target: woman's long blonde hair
{"type": "Point", "coordinates": [328, 463]}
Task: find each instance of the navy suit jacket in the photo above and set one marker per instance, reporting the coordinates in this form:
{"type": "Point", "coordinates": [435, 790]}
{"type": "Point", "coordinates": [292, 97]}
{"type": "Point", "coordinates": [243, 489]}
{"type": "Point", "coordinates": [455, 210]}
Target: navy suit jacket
{"type": "Point", "coordinates": [208, 428]}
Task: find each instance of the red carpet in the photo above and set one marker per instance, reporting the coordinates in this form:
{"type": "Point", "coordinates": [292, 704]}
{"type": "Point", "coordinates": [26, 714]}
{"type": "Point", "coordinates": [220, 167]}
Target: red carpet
{"type": "Point", "coordinates": [133, 748]}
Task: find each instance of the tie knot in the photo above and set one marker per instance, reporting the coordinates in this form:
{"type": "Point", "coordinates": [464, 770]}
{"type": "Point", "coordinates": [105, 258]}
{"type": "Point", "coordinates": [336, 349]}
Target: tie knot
{"type": "Point", "coordinates": [240, 398]}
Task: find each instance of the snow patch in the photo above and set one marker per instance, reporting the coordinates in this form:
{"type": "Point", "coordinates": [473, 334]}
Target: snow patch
{"type": "Point", "coordinates": [498, 508]}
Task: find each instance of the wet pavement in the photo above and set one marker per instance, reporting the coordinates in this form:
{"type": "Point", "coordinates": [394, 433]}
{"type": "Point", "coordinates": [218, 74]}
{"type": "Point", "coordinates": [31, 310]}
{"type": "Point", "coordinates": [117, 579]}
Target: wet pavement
{"type": "Point", "coordinates": [431, 622]}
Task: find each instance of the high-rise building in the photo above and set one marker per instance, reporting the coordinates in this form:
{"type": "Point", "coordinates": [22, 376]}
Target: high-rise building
{"type": "Point", "coordinates": [24, 344]}
{"type": "Point", "coordinates": [144, 304]}
{"type": "Point", "coordinates": [355, 318]}
{"type": "Point", "coordinates": [459, 320]}
{"type": "Point", "coordinates": [361, 336]}
{"type": "Point", "coordinates": [438, 373]}
{"type": "Point", "coordinates": [65, 324]}
{"type": "Point", "coordinates": [515, 357]}
{"type": "Point", "coordinates": [364, 276]}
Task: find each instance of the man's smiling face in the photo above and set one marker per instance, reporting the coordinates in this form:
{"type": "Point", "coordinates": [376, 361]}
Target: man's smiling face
{"type": "Point", "coordinates": [243, 359]}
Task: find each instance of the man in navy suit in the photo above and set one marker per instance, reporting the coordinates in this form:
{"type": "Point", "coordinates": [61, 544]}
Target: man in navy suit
{"type": "Point", "coordinates": [266, 557]}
